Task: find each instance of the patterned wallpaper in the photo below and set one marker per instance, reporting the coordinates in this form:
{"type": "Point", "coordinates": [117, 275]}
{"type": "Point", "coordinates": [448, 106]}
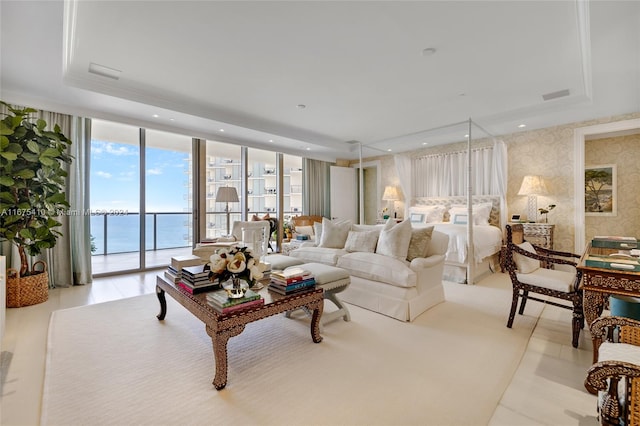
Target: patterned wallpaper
{"type": "Point", "coordinates": [624, 152]}
{"type": "Point", "coordinates": [546, 152]}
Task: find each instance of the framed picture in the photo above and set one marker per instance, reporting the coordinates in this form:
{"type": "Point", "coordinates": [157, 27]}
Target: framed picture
{"type": "Point", "coordinates": [600, 195]}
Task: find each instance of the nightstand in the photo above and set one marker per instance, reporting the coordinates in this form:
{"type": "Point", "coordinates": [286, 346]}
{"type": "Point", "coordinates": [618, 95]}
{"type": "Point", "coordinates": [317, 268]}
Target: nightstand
{"type": "Point", "coordinates": [539, 234]}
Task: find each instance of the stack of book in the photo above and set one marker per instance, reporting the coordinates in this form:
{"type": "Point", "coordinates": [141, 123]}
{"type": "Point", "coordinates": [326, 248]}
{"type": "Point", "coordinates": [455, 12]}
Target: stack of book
{"type": "Point", "coordinates": [174, 271]}
{"type": "Point", "coordinates": [221, 303]}
{"type": "Point", "coordinates": [617, 242]}
{"type": "Point", "coordinates": [196, 280]}
{"type": "Point", "coordinates": [291, 280]}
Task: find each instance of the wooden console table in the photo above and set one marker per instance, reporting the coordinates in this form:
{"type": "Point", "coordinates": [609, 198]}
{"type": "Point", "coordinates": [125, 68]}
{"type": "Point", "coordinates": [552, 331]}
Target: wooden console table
{"type": "Point", "coordinates": [222, 327]}
{"type": "Point", "coordinates": [598, 284]}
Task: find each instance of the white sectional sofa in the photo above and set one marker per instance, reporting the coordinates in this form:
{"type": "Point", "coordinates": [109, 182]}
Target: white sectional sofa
{"type": "Point", "coordinates": [382, 279]}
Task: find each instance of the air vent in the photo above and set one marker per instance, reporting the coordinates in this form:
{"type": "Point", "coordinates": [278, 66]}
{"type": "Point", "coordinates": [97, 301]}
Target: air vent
{"type": "Point", "coordinates": [104, 71]}
{"type": "Point", "coordinates": [554, 95]}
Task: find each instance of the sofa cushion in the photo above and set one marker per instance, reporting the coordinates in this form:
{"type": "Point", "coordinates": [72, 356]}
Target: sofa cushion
{"type": "Point", "coordinates": [526, 265]}
{"type": "Point", "coordinates": [334, 233]}
{"type": "Point", "coordinates": [328, 256]}
{"type": "Point", "coordinates": [419, 243]}
{"type": "Point", "coordinates": [378, 267]}
{"type": "Point", "coordinates": [362, 241]}
{"type": "Point", "coordinates": [394, 239]}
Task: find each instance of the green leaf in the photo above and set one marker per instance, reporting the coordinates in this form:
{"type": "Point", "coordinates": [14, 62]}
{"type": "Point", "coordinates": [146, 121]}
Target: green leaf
{"type": "Point", "coordinates": [26, 234]}
{"type": "Point", "coordinates": [47, 161]}
{"type": "Point", "coordinates": [5, 129]}
{"type": "Point", "coordinates": [33, 147]}
{"type": "Point", "coordinates": [41, 124]}
{"type": "Point", "coordinates": [26, 174]}
{"type": "Point", "coordinates": [50, 152]}
{"type": "Point", "coordinates": [11, 156]}
{"type": "Point", "coordinates": [6, 181]}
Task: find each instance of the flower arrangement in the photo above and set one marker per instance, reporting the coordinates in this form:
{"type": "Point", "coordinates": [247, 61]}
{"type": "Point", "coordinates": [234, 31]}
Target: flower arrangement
{"type": "Point", "coordinates": [238, 263]}
{"type": "Point", "coordinates": [545, 210]}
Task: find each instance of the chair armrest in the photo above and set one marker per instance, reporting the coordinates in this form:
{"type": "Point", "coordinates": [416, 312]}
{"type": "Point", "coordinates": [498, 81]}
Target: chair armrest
{"type": "Point", "coordinates": [600, 326]}
{"type": "Point", "coordinates": [542, 258]}
{"type": "Point", "coordinates": [605, 377]}
{"type": "Point", "coordinates": [426, 262]}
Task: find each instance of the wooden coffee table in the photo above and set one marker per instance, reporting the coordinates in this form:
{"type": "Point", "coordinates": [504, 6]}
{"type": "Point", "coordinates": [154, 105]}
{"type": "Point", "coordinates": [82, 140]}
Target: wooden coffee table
{"type": "Point", "coordinates": [222, 327]}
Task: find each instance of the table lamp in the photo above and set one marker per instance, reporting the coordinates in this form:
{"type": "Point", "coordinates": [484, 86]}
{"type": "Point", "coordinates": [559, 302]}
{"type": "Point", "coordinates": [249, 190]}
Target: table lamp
{"type": "Point", "coordinates": [391, 194]}
{"type": "Point", "coordinates": [227, 194]}
{"type": "Point", "coordinates": [532, 186]}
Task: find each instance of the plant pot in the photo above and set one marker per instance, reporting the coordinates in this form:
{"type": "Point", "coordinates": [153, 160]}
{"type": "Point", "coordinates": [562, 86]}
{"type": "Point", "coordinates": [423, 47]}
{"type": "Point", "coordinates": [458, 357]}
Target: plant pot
{"type": "Point", "coordinates": [29, 290]}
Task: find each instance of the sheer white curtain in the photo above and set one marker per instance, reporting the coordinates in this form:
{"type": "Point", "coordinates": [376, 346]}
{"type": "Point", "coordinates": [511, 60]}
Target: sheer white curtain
{"type": "Point", "coordinates": [69, 261]}
{"type": "Point", "coordinates": [499, 177]}
{"type": "Point", "coordinates": [403, 169]}
{"type": "Point", "coordinates": [443, 175]}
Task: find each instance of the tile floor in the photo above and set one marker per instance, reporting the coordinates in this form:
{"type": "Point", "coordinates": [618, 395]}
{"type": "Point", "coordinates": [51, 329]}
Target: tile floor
{"type": "Point", "coordinates": [546, 389]}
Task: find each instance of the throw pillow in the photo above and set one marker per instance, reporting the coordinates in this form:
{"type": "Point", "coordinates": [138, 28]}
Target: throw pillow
{"type": "Point", "coordinates": [317, 230]}
{"type": "Point", "coordinates": [526, 265]}
{"type": "Point", "coordinates": [431, 213]}
{"type": "Point", "coordinates": [394, 239]}
{"type": "Point", "coordinates": [304, 230]}
{"type": "Point", "coordinates": [334, 233]}
{"type": "Point", "coordinates": [361, 241]}
{"type": "Point", "coordinates": [419, 243]}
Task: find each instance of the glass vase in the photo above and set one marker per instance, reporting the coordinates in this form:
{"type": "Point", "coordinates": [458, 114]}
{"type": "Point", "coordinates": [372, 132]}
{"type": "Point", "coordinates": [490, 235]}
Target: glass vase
{"type": "Point", "coordinates": [235, 288]}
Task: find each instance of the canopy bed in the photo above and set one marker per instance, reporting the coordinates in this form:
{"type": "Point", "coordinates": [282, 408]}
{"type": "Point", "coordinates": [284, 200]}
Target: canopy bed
{"type": "Point", "coordinates": [447, 180]}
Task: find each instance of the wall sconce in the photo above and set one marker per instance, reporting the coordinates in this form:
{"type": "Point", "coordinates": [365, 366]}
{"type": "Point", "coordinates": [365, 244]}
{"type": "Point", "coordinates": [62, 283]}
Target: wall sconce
{"type": "Point", "coordinates": [532, 186]}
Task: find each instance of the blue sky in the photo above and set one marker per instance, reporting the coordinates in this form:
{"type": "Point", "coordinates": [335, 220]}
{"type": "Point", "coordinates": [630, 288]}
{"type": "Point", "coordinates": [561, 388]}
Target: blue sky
{"type": "Point", "coordinates": [115, 178]}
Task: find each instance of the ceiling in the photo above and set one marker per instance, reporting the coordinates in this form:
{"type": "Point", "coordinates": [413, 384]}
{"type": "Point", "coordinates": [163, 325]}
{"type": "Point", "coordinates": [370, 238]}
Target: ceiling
{"type": "Point", "coordinates": [359, 68]}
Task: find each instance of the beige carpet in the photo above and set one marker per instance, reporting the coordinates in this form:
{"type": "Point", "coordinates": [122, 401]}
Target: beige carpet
{"type": "Point", "coordinates": [115, 363]}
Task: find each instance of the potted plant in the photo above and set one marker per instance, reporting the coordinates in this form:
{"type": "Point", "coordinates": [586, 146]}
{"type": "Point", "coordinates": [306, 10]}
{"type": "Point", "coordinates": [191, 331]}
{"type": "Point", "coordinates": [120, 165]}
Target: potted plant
{"type": "Point", "coordinates": [32, 180]}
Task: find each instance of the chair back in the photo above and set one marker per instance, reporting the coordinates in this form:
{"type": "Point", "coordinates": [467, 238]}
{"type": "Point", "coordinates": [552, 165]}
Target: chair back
{"type": "Point", "coordinates": [305, 220]}
{"type": "Point", "coordinates": [254, 234]}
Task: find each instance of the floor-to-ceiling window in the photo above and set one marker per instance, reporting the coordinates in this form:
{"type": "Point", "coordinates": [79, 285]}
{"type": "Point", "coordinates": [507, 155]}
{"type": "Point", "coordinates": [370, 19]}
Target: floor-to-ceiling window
{"type": "Point", "coordinates": [223, 168]}
{"type": "Point", "coordinates": [116, 192]}
{"type": "Point", "coordinates": [168, 216]}
{"type": "Point", "coordinates": [115, 196]}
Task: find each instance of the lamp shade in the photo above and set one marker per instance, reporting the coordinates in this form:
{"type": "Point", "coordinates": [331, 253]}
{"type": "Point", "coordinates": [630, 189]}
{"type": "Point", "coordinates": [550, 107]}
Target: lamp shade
{"type": "Point", "coordinates": [390, 193]}
{"type": "Point", "coordinates": [227, 194]}
{"type": "Point", "coordinates": [533, 185]}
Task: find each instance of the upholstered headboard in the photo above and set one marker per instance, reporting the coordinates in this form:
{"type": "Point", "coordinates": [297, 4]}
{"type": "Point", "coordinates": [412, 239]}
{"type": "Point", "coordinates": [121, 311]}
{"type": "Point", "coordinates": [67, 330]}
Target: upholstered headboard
{"type": "Point", "coordinates": [494, 217]}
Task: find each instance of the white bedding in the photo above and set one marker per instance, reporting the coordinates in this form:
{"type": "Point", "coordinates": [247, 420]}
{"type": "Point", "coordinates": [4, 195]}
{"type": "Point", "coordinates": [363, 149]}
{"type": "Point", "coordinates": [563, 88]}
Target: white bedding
{"type": "Point", "coordinates": [488, 240]}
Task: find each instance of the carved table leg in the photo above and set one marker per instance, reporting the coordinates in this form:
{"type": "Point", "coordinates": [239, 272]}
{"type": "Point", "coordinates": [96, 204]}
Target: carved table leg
{"type": "Point", "coordinates": [163, 303]}
{"type": "Point", "coordinates": [317, 308]}
{"type": "Point", "coordinates": [593, 305]}
{"type": "Point", "coordinates": [219, 341]}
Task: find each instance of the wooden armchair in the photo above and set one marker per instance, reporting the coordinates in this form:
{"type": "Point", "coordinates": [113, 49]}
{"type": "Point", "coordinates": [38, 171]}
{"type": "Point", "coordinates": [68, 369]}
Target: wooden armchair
{"type": "Point", "coordinates": [534, 269]}
{"type": "Point", "coordinates": [616, 375]}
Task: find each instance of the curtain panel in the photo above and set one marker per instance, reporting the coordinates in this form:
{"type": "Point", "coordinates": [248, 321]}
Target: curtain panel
{"type": "Point", "coordinates": [69, 261]}
{"type": "Point", "coordinates": [316, 198]}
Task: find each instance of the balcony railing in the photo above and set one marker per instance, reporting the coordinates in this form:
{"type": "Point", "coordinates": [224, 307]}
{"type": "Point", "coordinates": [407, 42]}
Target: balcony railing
{"type": "Point", "coordinates": [119, 233]}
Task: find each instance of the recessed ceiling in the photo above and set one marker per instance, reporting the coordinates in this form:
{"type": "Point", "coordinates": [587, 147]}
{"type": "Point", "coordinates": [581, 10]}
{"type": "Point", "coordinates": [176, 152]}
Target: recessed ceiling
{"type": "Point", "coordinates": [359, 68]}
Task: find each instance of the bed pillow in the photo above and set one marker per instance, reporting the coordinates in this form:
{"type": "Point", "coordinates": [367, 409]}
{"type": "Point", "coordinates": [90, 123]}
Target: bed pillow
{"type": "Point", "coordinates": [362, 241]}
{"type": "Point", "coordinates": [419, 242]}
{"type": "Point", "coordinates": [481, 213]}
{"type": "Point", "coordinates": [526, 265]}
{"type": "Point", "coordinates": [394, 239]}
{"type": "Point", "coordinates": [431, 213]}
{"type": "Point", "coordinates": [334, 233]}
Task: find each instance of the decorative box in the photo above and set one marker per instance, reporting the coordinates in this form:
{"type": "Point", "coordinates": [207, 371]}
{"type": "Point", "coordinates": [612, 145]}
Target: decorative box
{"type": "Point", "coordinates": [621, 243]}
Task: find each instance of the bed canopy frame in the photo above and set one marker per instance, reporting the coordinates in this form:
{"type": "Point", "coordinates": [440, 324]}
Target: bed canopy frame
{"type": "Point", "coordinates": [469, 125]}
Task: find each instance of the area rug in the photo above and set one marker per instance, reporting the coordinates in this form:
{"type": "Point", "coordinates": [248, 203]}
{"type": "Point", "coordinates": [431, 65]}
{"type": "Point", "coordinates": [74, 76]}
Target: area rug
{"type": "Point", "coordinates": [115, 364]}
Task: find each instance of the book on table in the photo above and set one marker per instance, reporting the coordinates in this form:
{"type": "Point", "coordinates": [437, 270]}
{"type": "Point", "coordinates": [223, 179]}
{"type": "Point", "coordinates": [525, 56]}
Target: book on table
{"type": "Point", "coordinates": [179, 262]}
{"type": "Point", "coordinates": [293, 287]}
{"type": "Point", "coordinates": [220, 299]}
{"type": "Point", "coordinates": [197, 289]}
{"type": "Point", "coordinates": [238, 307]}
{"type": "Point", "coordinates": [617, 261]}
{"type": "Point", "coordinates": [613, 241]}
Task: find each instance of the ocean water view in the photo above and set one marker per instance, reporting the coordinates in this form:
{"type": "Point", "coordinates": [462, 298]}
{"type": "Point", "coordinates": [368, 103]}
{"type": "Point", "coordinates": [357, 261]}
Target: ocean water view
{"type": "Point", "coordinates": [172, 231]}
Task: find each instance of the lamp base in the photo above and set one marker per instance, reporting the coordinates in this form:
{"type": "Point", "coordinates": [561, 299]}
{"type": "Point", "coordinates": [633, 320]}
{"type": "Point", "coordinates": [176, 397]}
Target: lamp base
{"type": "Point", "coordinates": [532, 208]}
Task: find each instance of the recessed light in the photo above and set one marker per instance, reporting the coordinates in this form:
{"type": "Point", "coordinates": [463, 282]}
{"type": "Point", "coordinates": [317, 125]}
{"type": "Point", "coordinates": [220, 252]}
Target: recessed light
{"type": "Point", "coordinates": [270, 140]}
{"type": "Point", "coordinates": [466, 136]}
{"type": "Point", "coordinates": [222, 130]}
{"type": "Point", "coordinates": [428, 51]}
{"type": "Point", "coordinates": [522, 125]}
{"type": "Point", "coordinates": [389, 150]}
{"type": "Point", "coordinates": [425, 143]}
{"type": "Point", "coordinates": [302, 106]}
{"type": "Point", "coordinates": [155, 116]}
{"type": "Point", "coordinates": [308, 149]}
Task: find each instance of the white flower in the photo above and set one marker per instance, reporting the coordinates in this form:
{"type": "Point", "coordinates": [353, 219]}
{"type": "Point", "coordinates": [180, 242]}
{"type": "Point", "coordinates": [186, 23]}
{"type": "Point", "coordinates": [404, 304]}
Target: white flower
{"type": "Point", "coordinates": [237, 264]}
{"type": "Point", "coordinates": [218, 263]}
{"type": "Point", "coordinates": [256, 270]}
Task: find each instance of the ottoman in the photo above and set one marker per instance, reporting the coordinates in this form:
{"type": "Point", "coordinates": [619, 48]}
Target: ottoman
{"type": "Point", "coordinates": [281, 261]}
{"type": "Point", "coordinates": [332, 280]}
